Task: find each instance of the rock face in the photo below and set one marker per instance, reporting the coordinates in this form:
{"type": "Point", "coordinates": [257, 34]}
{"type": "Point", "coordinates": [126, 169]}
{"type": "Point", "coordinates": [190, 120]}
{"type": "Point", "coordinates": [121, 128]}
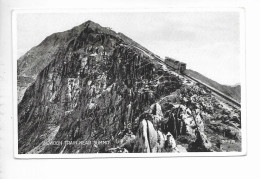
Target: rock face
{"type": "Point", "coordinates": [100, 93]}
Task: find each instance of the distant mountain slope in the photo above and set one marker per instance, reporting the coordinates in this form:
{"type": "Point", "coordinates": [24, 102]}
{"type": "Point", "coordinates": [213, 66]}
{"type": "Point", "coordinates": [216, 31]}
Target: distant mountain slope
{"type": "Point", "coordinates": [232, 91]}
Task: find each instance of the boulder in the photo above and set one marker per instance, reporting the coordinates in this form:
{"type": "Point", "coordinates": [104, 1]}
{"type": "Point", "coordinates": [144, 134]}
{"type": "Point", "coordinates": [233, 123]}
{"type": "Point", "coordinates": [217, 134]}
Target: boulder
{"type": "Point", "coordinates": [146, 138]}
{"type": "Point", "coordinates": [181, 149]}
{"type": "Point", "coordinates": [156, 109]}
{"type": "Point", "coordinates": [201, 144]}
{"type": "Point", "coordinates": [128, 142]}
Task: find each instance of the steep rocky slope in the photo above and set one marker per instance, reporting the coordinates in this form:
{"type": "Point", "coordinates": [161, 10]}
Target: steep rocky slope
{"type": "Point", "coordinates": [99, 93]}
{"type": "Point", "coordinates": [35, 60]}
{"type": "Point", "coordinates": [232, 91]}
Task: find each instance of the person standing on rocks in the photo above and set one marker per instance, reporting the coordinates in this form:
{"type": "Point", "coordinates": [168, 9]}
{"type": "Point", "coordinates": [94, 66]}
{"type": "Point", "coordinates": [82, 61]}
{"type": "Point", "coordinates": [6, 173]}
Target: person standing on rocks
{"type": "Point", "coordinates": [170, 144]}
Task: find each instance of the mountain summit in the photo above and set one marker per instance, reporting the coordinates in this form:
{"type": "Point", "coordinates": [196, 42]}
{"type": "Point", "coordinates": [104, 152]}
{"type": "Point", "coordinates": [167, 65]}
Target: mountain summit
{"type": "Point", "coordinates": [92, 90]}
{"type": "Point", "coordinates": [36, 59]}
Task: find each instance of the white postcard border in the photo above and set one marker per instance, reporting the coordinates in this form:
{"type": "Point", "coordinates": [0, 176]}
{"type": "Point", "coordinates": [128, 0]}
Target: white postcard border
{"type": "Point", "coordinates": [243, 152]}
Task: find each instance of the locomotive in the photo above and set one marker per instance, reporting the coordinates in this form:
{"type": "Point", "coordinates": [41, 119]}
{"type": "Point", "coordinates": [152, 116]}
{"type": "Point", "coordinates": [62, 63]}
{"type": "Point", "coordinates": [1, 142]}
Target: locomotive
{"type": "Point", "coordinates": [178, 66]}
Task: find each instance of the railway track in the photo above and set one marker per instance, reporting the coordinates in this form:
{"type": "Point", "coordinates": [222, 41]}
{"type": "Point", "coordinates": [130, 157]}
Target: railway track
{"type": "Point", "coordinates": [214, 91]}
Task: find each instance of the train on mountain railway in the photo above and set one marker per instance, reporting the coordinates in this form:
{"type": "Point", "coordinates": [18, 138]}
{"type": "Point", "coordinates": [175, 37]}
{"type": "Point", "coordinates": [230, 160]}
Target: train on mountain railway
{"type": "Point", "coordinates": [180, 68]}
{"type": "Point", "coordinates": [177, 66]}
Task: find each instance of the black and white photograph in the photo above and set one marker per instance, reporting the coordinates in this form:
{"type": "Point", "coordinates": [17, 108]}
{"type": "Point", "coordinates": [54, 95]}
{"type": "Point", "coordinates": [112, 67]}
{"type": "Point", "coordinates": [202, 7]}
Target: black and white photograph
{"type": "Point", "coordinates": [128, 83]}
{"type": "Point", "coordinates": [129, 89]}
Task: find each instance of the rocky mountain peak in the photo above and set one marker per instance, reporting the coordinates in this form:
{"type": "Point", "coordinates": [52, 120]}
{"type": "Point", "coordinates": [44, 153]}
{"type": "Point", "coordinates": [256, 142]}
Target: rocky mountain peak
{"type": "Point", "coordinates": [94, 86]}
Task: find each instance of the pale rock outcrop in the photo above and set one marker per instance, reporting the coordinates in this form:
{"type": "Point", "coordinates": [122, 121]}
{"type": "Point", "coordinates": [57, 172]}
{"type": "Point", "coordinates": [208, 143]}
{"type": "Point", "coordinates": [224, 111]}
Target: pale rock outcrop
{"type": "Point", "coordinates": [146, 138]}
{"type": "Point", "coordinates": [192, 121]}
{"type": "Point", "coordinates": [161, 138]}
{"type": "Point", "coordinates": [156, 111]}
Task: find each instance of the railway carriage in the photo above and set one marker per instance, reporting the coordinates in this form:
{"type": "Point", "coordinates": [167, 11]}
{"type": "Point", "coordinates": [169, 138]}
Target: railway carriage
{"type": "Point", "coordinates": [178, 66]}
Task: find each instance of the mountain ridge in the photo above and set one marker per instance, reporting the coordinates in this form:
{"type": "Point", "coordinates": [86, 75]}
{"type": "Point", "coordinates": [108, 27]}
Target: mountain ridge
{"type": "Point", "coordinates": [29, 65]}
{"type": "Point", "coordinates": [91, 84]}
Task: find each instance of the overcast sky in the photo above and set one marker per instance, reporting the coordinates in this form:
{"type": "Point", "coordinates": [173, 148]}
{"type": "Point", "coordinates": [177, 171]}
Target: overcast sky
{"type": "Point", "coordinates": [207, 41]}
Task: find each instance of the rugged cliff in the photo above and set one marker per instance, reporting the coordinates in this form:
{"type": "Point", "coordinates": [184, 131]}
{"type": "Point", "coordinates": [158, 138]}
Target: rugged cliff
{"type": "Point", "coordinates": [100, 93]}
